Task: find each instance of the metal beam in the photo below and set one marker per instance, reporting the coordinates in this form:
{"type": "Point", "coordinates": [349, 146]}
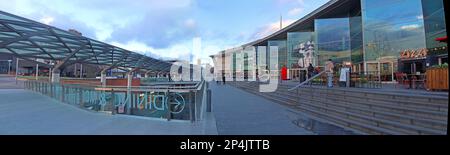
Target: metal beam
{"type": "Point", "coordinates": [57, 66]}
{"type": "Point", "coordinates": [28, 39]}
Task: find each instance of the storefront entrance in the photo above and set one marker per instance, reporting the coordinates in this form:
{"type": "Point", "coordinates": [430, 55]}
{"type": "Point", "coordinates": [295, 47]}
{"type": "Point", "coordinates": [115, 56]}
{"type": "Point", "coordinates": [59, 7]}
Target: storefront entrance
{"type": "Point", "coordinates": [385, 70]}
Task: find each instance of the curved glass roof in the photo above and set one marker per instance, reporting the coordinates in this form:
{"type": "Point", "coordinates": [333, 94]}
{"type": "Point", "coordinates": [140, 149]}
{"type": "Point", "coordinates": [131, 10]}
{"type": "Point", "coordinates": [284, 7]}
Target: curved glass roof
{"type": "Point", "coordinates": [29, 39]}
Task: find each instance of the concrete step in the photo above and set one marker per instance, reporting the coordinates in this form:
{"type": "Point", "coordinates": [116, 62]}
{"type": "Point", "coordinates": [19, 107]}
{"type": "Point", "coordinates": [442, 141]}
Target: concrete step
{"type": "Point", "coordinates": [430, 119]}
{"type": "Point", "coordinates": [393, 125]}
{"type": "Point", "coordinates": [411, 97]}
{"type": "Point", "coordinates": [380, 100]}
{"type": "Point", "coordinates": [370, 111]}
{"type": "Point", "coordinates": [339, 121]}
{"type": "Point", "coordinates": [400, 106]}
{"type": "Point", "coordinates": [360, 111]}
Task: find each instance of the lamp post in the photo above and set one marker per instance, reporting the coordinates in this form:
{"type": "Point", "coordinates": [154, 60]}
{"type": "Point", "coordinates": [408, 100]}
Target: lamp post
{"type": "Point", "coordinates": [17, 68]}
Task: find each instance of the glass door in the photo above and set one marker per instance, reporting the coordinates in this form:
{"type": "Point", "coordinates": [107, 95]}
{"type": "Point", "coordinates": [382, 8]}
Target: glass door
{"type": "Point", "coordinates": [386, 72]}
{"type": "Point", "coordinates": [382, 70]}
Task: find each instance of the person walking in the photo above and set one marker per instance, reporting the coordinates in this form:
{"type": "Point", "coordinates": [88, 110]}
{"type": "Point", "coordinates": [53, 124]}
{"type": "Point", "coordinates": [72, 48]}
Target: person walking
{"type": "Point", "coordinates": [329, 68]}
{"type": "Point", "coordinates": [223, 79]}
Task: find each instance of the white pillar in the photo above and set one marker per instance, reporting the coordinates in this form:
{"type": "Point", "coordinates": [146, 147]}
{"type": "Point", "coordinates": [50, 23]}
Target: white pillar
{"type": "Point", "coordinates": [17, 68]}
{"type": "Point", "coordinates": [130, 78]}
{"type": "Point", "coordinates": [37, 71]}
{"type": "Point", "coordinates": [55, 76]}
{"type": "Point", "coordinates": [103, 78]}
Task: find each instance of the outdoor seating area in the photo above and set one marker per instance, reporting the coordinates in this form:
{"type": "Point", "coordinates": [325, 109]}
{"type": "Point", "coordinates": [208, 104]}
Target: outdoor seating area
{"type": "Point", "coordinates": [410, 81]}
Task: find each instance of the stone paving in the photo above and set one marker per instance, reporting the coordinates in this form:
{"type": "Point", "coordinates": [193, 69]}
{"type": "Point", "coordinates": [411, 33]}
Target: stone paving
{"type": "Point", "coordinates": [24, 112]}
{"type": "Point", "coordinates": [240, 113]}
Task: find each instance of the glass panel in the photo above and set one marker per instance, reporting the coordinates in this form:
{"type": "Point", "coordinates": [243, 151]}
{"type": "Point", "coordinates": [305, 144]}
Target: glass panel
{"type": "Point", "coordinates": [4, 50]}
{"type": "Point", "coordinates": [6, 17]}
{"type": "Point", "coordinates": [300, 46]}
{"type": "Point", "coordinates": [8, 35]}
{"type": "Point", "coordinates": [434, 18]}
{"type": "Point", "coordinates": [21, 28]}
{"type": "Point", "coordinates": [282, 53]}
{"type": "Point", "coordinates": [16, 44]}
{"type": "Point", "coordinates": [21, 51]}
{"type": "Point", "coordinates": [356, 38]}
{"type": "Point", "coordinates": [332, 40]}
{"type": "Point", "coordinates": [391, 26]}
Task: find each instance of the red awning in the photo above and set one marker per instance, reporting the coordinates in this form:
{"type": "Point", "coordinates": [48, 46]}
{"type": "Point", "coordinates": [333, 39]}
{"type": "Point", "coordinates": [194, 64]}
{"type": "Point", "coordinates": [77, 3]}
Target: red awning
{"type": "Point", "coordinates": [443, 39]}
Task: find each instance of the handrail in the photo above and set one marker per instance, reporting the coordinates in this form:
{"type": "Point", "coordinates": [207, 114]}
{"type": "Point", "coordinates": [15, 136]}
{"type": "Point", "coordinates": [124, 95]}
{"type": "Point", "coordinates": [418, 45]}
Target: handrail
{"type": "Point", "coordinates": [307, 81]}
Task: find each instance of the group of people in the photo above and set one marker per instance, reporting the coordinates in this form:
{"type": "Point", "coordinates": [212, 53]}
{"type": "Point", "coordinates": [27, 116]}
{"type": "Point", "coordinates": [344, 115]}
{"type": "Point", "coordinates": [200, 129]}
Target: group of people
{"type": "Point", "coordinates": [329, 69]}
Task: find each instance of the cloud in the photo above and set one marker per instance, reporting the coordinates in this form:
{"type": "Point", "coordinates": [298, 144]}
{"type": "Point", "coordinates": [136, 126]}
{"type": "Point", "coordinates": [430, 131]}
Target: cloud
{"type": "Point", "coordinates": [295, 11]}
{"type": "Point", "coordinates": [269, 29]}
{"type": "Point", "coordinates": [47, 20]}
{"type": "Point", "coordinates": [410, 27]}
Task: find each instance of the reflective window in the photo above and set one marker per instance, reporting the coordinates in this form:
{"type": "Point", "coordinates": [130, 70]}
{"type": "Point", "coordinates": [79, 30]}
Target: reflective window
{"type": "Point", "coordinates": [356, 36]}
{"type": "Point", "coordinates": [434, 18]}
{"type": "Point", "coordinates": [391, 26]}
{"type": "Point", "coordinates": [282, 53]}
{"type": "Point", "coordinates": [332, 40]}
{"type": "Point", "coordinates": [300, 47]}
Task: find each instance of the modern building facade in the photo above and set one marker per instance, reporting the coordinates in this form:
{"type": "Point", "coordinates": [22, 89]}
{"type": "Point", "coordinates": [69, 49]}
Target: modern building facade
{"type": "Point", "coordinates": [383, 36]}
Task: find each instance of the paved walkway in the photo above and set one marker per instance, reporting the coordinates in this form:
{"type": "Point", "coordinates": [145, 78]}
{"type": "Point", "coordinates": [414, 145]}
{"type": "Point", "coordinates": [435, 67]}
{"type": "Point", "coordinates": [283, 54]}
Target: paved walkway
{"type": "Point", "coordinates": [9, 82]}
{"type": "Point", "coordinates": [235, 112]}
{"type": "Point", "coordinates": [23, 112]}
{"type": "Point", "coordinates": [240, 113]}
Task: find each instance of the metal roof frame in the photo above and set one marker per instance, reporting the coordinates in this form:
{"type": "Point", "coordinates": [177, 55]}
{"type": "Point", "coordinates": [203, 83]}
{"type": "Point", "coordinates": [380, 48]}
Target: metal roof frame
{"type": "Point", "coordinates": [30, 40]}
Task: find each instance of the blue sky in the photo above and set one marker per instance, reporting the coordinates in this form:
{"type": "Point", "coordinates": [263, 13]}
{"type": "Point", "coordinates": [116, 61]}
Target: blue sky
{"type": "Point", "coordinates": [168, 29]}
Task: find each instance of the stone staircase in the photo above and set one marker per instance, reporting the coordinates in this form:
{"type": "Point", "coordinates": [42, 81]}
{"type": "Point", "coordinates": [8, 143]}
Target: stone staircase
{"type": "Point", "coordinates": [365, 111]}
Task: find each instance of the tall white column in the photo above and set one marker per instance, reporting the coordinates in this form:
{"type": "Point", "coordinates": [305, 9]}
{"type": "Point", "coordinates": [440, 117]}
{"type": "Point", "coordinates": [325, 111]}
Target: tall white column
{"type": "Point", "coordinates": [55, 76]}
{"type": "Point", "coordinates": [103, 78]}
{"type": "Point", "coordinates": [37, 71]}
{"type": "Point", "coordinates": [129, 95]}
{"type": "Point", "coordinates": [17, 68]}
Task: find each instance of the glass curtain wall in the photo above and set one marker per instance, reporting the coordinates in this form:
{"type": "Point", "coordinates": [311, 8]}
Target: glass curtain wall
{"type": "Point", "coordinates": [282, 53]}
{"type": "Point", "coordinates": [356, 39]}
{"type": "Point", "coordinates": [300, 46]}
{"type": "Point", "coordinates": [332, 40]}
{"type": "Point", "coordinates": [390, 27]}
{"type": "Point", "coordinates": [434, 19]}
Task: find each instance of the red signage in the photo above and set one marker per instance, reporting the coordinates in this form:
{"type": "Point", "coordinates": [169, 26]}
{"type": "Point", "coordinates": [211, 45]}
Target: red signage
{"type": "Point", "coordinates": [414, 54]}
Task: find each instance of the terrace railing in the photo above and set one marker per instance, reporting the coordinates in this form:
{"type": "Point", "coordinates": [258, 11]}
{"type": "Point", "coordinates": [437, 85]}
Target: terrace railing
{"type": "Point", "coordinates": [170, 100]}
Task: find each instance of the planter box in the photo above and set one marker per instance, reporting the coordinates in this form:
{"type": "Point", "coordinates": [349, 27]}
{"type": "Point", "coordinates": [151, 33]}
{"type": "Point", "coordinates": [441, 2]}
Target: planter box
{"type": "Point", "coordinates": [437, 79]}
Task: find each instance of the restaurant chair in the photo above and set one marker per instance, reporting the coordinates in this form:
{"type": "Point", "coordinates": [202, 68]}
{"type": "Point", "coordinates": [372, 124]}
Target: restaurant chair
{"type": "Point", "coordinates": [402, 79]}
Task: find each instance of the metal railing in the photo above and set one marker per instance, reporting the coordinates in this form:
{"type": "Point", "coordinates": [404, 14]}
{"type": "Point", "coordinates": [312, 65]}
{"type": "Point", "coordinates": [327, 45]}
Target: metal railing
{"type": "Point", "coordinates": [180, 101]}
{"type": "Point", "coordinates": [368, 79]}
{"type": "Point", "coordinates": [309, 81]}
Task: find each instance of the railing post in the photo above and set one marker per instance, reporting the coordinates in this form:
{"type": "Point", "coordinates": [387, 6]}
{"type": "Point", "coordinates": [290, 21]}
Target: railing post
{"type": "Point", "coordinates": [112, 102]}
{"type": "Point", "coordinates": [51, 90]}
{"type": "Point", "coordinates": [63, 91]}
{"type": "Point", "coordinates": [191, 106]}
{"type": "Point", "coordinates": [169, 107]}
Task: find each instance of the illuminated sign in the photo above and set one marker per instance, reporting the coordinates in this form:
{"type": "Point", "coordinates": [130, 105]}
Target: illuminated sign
{"type": "Point", "coordinates": [414, 54]}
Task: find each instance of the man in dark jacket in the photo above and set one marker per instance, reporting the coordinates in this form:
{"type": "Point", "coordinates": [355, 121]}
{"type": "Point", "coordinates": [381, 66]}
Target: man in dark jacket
{"type": "Point", "coordinates": [310, 71]}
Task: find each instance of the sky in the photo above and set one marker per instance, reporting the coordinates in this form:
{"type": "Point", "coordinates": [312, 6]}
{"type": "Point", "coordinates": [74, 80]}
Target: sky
{"type": "Point", "coordinates": [168, 29]}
